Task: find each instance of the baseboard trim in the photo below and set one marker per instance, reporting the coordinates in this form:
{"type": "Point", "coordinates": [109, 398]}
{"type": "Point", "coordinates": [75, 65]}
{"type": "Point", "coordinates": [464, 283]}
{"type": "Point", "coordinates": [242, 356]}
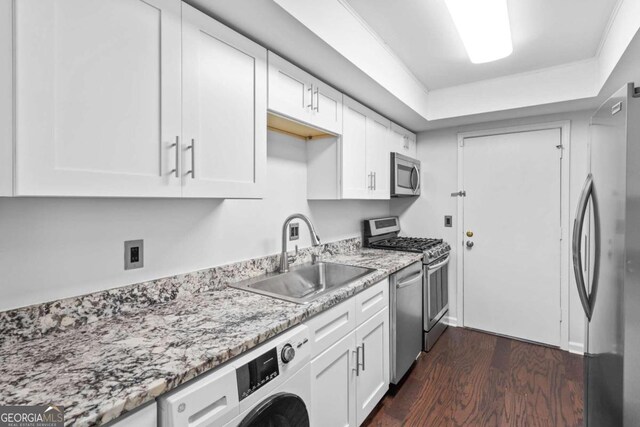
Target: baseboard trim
{"type": "Point", "coordinates": [450, 321]}
{"type": "Point", "coordinates": [576, 347]}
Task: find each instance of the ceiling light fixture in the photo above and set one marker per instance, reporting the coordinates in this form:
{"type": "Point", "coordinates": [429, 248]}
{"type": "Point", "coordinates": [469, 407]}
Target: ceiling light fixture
{"type": "Point", "coordinates": [484, 28]}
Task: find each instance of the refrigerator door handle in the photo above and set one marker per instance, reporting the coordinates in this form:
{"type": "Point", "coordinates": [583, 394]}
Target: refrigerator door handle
{"type": "Point", "coordinates": [596, 251]}
{"type": "Point", "coordinates": [587, 300]}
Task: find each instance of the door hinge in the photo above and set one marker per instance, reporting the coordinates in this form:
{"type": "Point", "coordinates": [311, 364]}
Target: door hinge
{"type": "Point", "coordinates": [460, 193]}
{"type": "Point", "coordinates": [561, 148]}
{"type": "Point", "coordinates": [560, 233]}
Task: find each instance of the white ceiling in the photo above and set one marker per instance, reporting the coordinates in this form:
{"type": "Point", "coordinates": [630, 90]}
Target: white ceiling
{"type": "Point", "coordinates": [545, 33]}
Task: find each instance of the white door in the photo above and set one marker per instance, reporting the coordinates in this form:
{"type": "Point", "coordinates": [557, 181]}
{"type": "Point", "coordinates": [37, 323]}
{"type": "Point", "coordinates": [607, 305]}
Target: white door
{"type": "Point", "coordinates": [333, 387]}
{"type": "Point", "coordinates": [97, 97]}
{"type": "Point", "coordinates": [224, 110]}
{"type": "Point", "coordinates": [372, 380]}
{"type": "Point", "coordinates": [378, 157]}
{"type": "Point", "coordinates": [357, 180]}
{"type": "Point", "coordinates": [512, 207]}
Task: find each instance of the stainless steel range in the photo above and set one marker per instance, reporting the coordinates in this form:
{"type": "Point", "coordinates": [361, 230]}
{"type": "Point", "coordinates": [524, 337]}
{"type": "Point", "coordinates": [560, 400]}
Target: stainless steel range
{"type": "Point", "coordinates": [383, 233]}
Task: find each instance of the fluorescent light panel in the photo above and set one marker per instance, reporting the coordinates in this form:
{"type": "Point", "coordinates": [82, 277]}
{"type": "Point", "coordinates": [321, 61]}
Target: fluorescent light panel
{"type": "Point", "coordinates": [484, 28]}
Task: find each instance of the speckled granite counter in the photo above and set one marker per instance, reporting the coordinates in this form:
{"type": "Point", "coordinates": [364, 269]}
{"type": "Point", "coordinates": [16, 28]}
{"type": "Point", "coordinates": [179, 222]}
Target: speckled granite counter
{"type": "Point", "coordinates": [101, 369]}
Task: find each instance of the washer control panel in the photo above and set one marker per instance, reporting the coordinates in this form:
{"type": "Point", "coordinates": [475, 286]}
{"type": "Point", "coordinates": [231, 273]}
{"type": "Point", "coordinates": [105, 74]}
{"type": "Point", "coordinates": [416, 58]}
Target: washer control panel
{"type": "Point", "coordinates": [256, 373]}
{"type": "Point", "coordinates": [259, 371]}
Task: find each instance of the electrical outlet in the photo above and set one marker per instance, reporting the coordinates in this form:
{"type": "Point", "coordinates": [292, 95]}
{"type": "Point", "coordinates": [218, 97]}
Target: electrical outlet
{"type": "Point", "coordinates": [448, 221]}
{"type": "Point", "coordinates": [133, 254]}
{"type": "Point", "coordinates": [294, 231]}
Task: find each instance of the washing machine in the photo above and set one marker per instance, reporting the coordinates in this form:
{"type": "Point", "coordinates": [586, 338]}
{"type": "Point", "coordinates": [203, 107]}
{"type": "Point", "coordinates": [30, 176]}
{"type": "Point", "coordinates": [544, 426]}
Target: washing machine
{"type": "Point", "coordinates": [268, 386]}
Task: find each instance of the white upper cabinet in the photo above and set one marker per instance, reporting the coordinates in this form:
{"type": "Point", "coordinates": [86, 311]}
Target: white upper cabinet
{"type": "Point", "coordinates": [97, 97]}
{"type": "Point", "coordinates": [378, 156]}
{"type": "Point", "coordinates": [403, 141]}
{"type": "Point", "coordinates": [357, 180]}
{"type": "Point", "coordinates": [132, 98]}
{"type": "Point", "coordinates": [365, 153]}
{"type": "Point", "coordinates": [295, 94]}
{"type": "Point", "coordinates": [224, 84]}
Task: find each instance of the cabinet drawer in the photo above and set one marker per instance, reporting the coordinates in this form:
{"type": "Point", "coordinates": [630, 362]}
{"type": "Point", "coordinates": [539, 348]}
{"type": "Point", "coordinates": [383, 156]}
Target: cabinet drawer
{"type": "Point", "coordinates": [372, 300]}
{"type": "Point", "coordinates": [327, 328]}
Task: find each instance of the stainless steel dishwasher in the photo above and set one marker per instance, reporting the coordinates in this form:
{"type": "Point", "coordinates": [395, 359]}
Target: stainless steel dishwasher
{"type": "Point", "coordinates": [406, 319]}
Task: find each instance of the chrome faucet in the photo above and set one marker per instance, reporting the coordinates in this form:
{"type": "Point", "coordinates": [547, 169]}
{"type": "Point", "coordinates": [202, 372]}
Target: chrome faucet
{"type": "Point", "coordinates": [315, 240]}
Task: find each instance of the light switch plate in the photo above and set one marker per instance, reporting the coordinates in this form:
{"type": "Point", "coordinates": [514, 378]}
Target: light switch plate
{"type": "Point", "coordinates": [448, 221]}
{"type": "Point", "coordinates": [133, 254]}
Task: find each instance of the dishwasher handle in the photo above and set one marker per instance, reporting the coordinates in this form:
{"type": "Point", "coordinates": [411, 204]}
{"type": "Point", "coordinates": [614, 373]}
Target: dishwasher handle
{"type": "Point", "coordinates": [410, 281]}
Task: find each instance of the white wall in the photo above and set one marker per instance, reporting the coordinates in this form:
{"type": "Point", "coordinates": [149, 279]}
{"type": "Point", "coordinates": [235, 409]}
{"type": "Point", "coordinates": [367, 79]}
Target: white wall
{"type": "Point", "coordinates": [437, 150]}
{"type": "Point", "coordinates": [54, 248]}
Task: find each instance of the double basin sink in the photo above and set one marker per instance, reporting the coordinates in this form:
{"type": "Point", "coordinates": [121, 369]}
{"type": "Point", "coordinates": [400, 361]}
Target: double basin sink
{"type": "Point", "coordinates": [304, 283]}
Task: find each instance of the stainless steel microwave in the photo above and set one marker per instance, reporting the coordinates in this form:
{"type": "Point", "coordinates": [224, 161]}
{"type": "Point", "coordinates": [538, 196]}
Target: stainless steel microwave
{"type": "Point", "coordinates": [405, 176]}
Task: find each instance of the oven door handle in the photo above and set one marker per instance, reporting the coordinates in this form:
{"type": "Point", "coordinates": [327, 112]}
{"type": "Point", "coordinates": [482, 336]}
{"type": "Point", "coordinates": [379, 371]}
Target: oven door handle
{"type": "Point", "coordinates": [438, 265]}
{"type": "Point", "coordinates": [412, 280]}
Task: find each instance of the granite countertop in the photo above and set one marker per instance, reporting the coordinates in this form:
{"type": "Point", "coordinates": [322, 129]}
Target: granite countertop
{"type": "Point", "coordinates": [99, 371]}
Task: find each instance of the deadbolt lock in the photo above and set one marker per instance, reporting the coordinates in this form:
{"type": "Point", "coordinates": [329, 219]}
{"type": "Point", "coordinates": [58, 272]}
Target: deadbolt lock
{"type": "Point", "coordinates": [469, 233]}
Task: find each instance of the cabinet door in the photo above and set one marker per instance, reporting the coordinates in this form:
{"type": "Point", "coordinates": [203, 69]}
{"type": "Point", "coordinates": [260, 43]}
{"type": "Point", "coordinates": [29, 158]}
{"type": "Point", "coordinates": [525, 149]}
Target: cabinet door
{"type": "Point", "coordinates": [357, 180]}
{"type": "Point", "coordinates": [372, 381]}
{"type": "Point", "coordinates": [224, 110]}
{"type": "Point", "coordinates": [378, 157]}
{"type": "Point", "coordinates": [403, 141]}
{"type": "Point", "coordinates": [333, 391]}
{"type": "Point", "coordinates": [327, 108]}
{"type": "Point", "coordinates": [97, 97]}
{"type": "Point", "coordinates": [290, 91]}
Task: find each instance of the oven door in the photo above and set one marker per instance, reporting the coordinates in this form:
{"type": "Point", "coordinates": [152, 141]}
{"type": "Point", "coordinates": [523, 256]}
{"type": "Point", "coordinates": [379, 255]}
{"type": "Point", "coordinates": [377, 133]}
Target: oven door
{"type": "Point", "coordinates": [405, 176]}
{"type": "Point", "coordinates": [436, 292]}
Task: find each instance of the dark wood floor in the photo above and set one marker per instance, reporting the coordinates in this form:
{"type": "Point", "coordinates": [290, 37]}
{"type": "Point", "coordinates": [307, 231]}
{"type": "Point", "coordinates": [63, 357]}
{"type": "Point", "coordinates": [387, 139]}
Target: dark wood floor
{"type": "Point", "coordinates": [476, 379]}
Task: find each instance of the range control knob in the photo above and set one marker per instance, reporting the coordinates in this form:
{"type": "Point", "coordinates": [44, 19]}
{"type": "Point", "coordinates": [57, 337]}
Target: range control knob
{"type": "Point", "coordinates": [287, 354]}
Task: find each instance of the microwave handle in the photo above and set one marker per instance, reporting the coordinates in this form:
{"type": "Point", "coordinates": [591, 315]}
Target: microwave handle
{"type": "Point", "coordinates": [417, 186]}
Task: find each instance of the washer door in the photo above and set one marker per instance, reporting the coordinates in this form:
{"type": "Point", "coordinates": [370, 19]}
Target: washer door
{"type": "Point", "coordinates": [279, 410]}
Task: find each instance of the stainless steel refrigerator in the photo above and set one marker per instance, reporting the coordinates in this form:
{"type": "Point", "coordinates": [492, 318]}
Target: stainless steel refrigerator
{"type": "Point", "coordinates": [606, 261]}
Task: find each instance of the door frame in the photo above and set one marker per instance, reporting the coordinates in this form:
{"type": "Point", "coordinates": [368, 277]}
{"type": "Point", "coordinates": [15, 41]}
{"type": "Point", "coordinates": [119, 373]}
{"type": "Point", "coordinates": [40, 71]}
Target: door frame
{"type": "Point", "coordinates": [565, 218]}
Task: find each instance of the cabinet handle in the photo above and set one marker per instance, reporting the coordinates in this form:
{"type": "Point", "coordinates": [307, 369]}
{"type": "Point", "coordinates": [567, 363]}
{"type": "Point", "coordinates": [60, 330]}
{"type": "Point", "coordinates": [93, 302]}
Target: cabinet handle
{"type": "Point", "coordinates": [311, 92]}
{"type": "Point", "coordinates": [357, 368]}
{"type": "Point", "coordinates": [192, 147]}
{"type": "Point", "coordinates": [363, 356]}
{"type": "Point", "coordinates": [375, 181]}
{"type": "Point", "coordinates": [317, 99]}
{"type": "Point", "coordinates": [177, 147]}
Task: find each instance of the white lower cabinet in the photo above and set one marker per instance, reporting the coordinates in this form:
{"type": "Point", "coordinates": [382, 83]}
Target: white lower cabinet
{"type": "Point", "coordinates": [372, 379]}
{"type": "Point", "coordinates": [333, 385]}
{"type": "Point", "coordinates": [349, 377]}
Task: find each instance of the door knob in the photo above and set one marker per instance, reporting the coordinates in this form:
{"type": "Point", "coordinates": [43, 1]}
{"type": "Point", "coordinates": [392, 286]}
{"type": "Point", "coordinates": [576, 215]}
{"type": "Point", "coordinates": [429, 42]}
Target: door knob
{"type": "Point", "coordinates": [469, 233]}
{"type": "Point", "coordinates": [469, 244]}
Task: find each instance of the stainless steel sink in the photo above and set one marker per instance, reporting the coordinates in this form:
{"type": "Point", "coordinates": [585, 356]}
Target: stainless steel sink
{"type": "Point", "coordinates": [304, 283]}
